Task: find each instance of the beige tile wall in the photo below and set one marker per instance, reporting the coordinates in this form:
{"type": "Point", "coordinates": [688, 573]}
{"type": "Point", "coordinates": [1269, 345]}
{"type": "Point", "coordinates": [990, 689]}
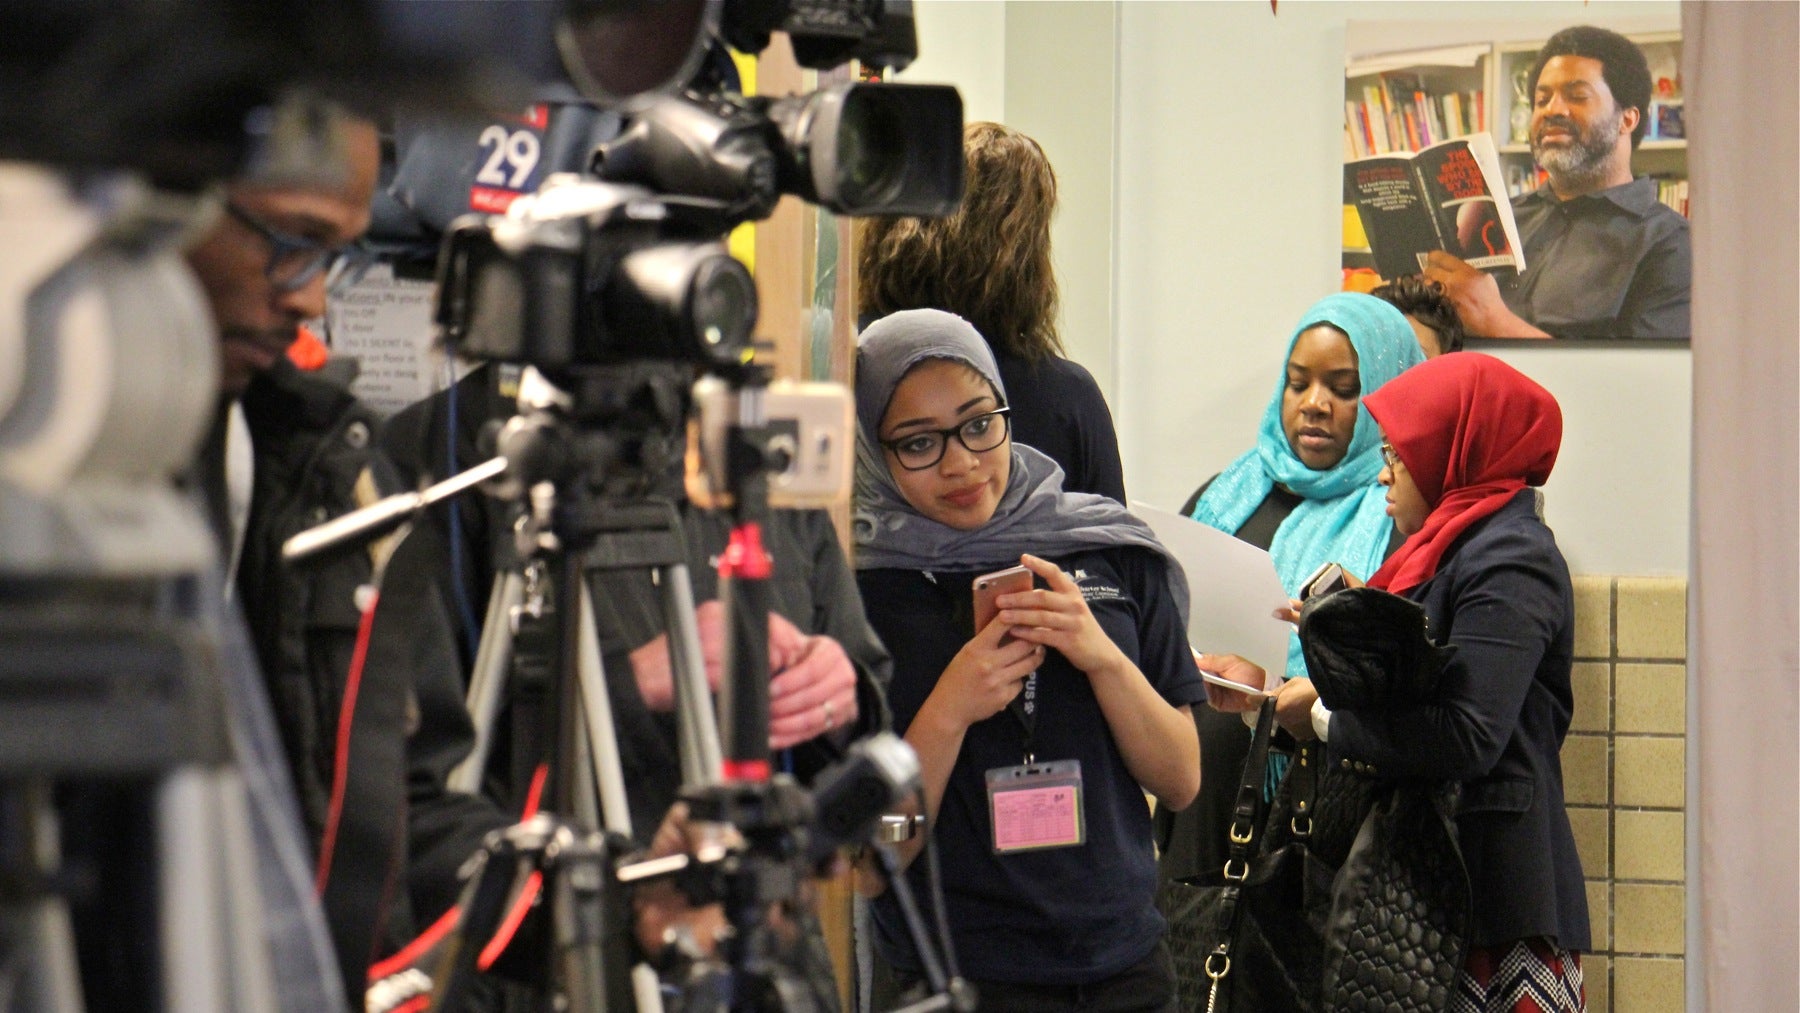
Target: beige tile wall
{"type": "Point", "coordinates": [1623, 770]}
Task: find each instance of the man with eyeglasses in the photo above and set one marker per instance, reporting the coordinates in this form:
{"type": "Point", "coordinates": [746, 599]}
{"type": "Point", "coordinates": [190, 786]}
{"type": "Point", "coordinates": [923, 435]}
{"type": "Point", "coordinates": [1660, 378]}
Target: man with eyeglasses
{"type": "Point", "coordinates": [288, 450]}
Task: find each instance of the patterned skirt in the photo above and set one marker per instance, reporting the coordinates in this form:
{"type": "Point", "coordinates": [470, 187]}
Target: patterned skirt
{"type": "Point", "coordinates": [1526, 976]}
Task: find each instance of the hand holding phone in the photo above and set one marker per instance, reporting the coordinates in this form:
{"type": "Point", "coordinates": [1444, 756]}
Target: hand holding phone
{"type": "Point", "coordinates": [1250, 691]}
{"type": "Point", "coordinates": [1327, 578]}
{"type": "Point", "coordinates": [990, 586]}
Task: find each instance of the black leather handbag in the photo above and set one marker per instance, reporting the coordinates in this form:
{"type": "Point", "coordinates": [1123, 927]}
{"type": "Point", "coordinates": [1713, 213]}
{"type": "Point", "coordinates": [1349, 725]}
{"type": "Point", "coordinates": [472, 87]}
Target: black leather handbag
{"type": "Point", "coordinates": [1401, 909]}
{"type": "Point", "coordinates": [1253, 939]}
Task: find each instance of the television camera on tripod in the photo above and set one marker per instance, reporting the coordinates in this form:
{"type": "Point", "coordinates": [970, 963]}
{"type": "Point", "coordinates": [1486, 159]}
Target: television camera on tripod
{"type": "Point", "coordinates": [612, 286]}
{"type": "Point", "coordinates": [104, 384]}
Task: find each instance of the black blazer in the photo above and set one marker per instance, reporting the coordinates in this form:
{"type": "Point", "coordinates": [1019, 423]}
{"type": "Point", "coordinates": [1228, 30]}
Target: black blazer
{"type": "Point", "coordinates": [1502, 597]}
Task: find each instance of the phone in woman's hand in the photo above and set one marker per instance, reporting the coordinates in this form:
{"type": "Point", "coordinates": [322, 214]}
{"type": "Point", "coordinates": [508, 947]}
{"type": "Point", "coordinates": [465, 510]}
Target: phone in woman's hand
{"type": "Point", "coordinates": [1326, 579]}
{"type": "Point", "coordinates": [990, 586]}
{"type": "Point", "coordinates": [1250, 691]}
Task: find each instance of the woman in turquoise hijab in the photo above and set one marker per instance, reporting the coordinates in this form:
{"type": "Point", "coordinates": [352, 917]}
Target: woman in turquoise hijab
{"type": "Point", "coordinates": [1307, 492]}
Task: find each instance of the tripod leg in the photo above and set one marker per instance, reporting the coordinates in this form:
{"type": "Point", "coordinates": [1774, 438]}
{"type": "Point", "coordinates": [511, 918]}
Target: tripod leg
{"type": "Point", "coordinates": [488, 680]}
{"type": "Point", "coordinates": [602, 746]}
{"type": "Point", "coordinates": [701, 755]}
{"type": "Point", "coordinates": [587, 793]}
{"type": "Point", "coordinates": [38, 972]}
{"type": "Point", "coordinates": [203, 939]}
{"type": "Point", "coordinates": [603, 742]}
{"type": "Point", "coordinates": [38, 969]}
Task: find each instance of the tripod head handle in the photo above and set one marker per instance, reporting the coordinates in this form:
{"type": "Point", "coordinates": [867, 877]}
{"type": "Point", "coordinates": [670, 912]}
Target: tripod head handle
{"type": "Point", "coordinates": [378, 518]}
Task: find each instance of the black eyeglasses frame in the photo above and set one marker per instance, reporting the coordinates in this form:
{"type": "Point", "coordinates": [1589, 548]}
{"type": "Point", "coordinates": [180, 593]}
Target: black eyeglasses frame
{"type": "Point", "coordinates": [341, 265]}
{"type": "Point", "coordinates": [944, 435]}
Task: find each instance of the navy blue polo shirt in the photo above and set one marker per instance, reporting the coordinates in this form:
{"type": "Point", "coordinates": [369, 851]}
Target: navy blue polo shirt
{"type": "Point", "coordinates": [1070, 915]}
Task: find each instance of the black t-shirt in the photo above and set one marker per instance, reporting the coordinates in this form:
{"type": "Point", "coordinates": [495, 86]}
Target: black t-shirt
{"type": "Point", "coordinates": [1065, 915]}
{"type": "Point", "coordinates": [1260, 527]}
{"type": "Point", "coordinates": [1058, 409]}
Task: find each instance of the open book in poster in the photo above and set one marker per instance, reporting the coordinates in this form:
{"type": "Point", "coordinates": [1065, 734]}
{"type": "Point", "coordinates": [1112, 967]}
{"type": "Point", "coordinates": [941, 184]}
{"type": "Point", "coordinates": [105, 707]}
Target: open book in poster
{"type": "Point", "coordinates": [1448, 196]}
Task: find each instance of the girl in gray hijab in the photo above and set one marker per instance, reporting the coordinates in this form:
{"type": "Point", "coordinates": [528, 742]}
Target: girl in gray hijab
{"type": "Point", "coordinates": [1039, 734]}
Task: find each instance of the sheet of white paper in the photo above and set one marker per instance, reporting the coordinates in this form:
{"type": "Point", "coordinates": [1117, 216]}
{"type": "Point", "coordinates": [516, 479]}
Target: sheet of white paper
{"type": "Point", "coordinates": [385, 322]}
{"type": "Point", "coordinates": [1233, 587]}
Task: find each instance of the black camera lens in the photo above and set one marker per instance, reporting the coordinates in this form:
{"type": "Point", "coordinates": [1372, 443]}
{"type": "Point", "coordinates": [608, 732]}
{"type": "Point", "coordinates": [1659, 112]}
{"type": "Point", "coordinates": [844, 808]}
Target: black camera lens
{"type": "Point", "coordinates": [873, 149]}
{"type": "Point", "coordinates": [690, 301]}
{"type": "Point", "coordinates": [722, 308]}
{"type": "Point", "coordinates": [871, 153]}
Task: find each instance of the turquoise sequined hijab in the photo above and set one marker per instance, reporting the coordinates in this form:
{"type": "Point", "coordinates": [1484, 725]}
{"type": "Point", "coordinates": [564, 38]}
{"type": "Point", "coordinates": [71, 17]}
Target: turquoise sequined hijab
{"type": "Point", "coordinates": [1343, 517]}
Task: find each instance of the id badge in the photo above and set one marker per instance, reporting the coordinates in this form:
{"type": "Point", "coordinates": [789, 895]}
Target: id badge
{"type": "Point", "coordinates": [1036, 806]}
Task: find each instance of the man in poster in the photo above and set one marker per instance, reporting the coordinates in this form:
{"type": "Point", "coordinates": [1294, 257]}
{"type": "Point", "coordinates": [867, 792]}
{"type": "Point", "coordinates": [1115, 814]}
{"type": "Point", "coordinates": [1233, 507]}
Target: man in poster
{"type": "Point", "coordinates": [1604, 258]}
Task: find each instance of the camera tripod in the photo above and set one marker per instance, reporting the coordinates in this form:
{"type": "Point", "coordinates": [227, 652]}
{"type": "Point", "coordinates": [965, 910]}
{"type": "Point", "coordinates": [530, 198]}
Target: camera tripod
{"type": "Point", "coordinates": [568, 532]}
{"type": "Point", "coordinates": [634, 535]}
{"type": "Point", "coordinates": [145, 696]}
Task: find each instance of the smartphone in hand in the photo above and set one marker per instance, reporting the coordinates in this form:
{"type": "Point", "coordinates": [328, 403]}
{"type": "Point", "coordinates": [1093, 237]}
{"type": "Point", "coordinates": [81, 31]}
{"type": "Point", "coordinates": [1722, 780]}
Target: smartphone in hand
{"type": "Point", "coordinates": [1326, 579]}
{"type": "Point", "coordinates": [990, 586]}
{"type": "Point", "coordinates": [1250, 691]}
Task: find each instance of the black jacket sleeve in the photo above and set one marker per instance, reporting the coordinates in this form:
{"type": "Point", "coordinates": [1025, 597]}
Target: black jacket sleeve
{"type": "Point", "coordinates": [1507, 600]}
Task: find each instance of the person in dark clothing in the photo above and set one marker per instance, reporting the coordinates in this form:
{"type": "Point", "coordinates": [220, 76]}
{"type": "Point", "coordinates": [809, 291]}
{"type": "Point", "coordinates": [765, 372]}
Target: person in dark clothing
{"type": "Point", "coordinates": [345, 701]}
{"type": "Point", "coordinates": [1090, 673]}
{"type": "Point", "coordinates": [263, 268]}
{"type": "Point", "coordinates": [990, 264]}
{"type": "Point", "coordinates": [1603, 257]}
{"type": "Point", "coordinates": [1307, 493]}
{"type": "Point", "coordinates": [1466, 439]}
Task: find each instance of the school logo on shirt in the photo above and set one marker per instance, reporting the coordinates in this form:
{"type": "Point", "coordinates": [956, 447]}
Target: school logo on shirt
{"type": "Point", "coordinates": [1094, 591]}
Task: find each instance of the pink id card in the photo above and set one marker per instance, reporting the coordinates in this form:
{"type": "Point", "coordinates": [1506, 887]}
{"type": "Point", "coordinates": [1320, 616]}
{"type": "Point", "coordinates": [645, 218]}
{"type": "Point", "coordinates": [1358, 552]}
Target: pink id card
{"type": "Point", "coordinates": [1035, 806]}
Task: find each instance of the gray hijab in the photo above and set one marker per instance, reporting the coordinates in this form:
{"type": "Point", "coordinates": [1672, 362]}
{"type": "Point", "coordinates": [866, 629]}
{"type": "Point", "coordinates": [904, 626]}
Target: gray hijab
{"type": "Point", "coordinates": [1035, 514]}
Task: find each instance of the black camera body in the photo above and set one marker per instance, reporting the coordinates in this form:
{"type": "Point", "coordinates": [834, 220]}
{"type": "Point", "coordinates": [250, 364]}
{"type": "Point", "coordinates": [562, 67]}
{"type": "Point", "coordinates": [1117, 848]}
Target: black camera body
{"type": "Point", "coordinates": [625, 259]}
{"type": "Point", "coordinates": [826, 33]}
{"type": "Point", "coordinates": [589, 273]}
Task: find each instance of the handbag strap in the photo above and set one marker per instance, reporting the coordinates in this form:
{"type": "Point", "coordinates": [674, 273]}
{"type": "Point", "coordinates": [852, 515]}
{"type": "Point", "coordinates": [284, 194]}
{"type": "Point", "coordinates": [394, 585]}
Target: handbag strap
{"type": "Point", "coordinates": [1245, 818]}
{"type": "Point", "coordinates": [1247, 811]}
{"type": "Point", "coordinates": [1302, 788]}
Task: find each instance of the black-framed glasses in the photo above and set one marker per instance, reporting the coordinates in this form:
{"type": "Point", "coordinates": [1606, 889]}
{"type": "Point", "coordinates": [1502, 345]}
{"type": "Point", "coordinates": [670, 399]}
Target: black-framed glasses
{"type": "Point", "coordinates": [1390, 456]}
{"type": "Point", "coordinates": [925, 448]}
{"type": "Point", "coordinates": [294, 261]}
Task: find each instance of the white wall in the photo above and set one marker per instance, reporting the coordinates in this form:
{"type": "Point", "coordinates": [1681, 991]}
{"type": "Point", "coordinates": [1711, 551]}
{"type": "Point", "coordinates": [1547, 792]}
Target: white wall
{"type": "Point", "coordinates": [1069, 107]}
{"type": "Point", "coordinates": [1222, 199]}
{"type": "Point", "coordinates": [960, 43]}
{"type": "Point", "coordinates": [996, 54]}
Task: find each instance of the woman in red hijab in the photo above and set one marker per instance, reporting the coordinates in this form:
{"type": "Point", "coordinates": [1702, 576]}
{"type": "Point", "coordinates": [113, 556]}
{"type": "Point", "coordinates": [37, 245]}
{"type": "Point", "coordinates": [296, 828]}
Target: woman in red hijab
{"type": "Point", "coordinates": [1465, 438]}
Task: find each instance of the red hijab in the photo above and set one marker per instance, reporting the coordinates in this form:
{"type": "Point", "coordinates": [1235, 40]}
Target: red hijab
{"type": "Point", "coordinates": [1472, 431]}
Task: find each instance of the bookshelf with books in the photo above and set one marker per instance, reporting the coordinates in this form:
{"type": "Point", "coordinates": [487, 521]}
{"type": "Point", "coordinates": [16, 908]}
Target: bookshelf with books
{"type": "Point", "coordinates": [1414, 101]}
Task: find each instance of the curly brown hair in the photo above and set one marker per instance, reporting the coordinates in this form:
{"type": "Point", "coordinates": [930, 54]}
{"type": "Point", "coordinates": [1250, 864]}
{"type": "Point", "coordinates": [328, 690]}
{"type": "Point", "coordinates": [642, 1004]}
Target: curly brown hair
{"type": "Point", "coordinates": [1425, 301]}
{"type": "Point", "coordinates": [989, 263]}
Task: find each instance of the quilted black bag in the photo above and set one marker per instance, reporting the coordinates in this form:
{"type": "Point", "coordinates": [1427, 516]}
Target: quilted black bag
{"type": "Point", "coordinates": [1401, 909]}
{"type": "Point", "coordinates": [1253, 939]}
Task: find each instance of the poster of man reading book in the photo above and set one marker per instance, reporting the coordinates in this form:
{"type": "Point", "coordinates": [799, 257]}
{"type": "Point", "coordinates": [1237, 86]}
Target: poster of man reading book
{"type": "Point", "coordinates": [1592, 242]}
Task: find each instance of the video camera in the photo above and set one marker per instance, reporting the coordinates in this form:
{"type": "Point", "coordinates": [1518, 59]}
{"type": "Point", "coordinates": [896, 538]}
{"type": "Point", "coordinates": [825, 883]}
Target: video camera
{"type": "Point", "coordinates": [610, 257]}
{"type": "Point", "coordinates": [622, 257]}
{"type": "Point", "coordinates": [603, 268]}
